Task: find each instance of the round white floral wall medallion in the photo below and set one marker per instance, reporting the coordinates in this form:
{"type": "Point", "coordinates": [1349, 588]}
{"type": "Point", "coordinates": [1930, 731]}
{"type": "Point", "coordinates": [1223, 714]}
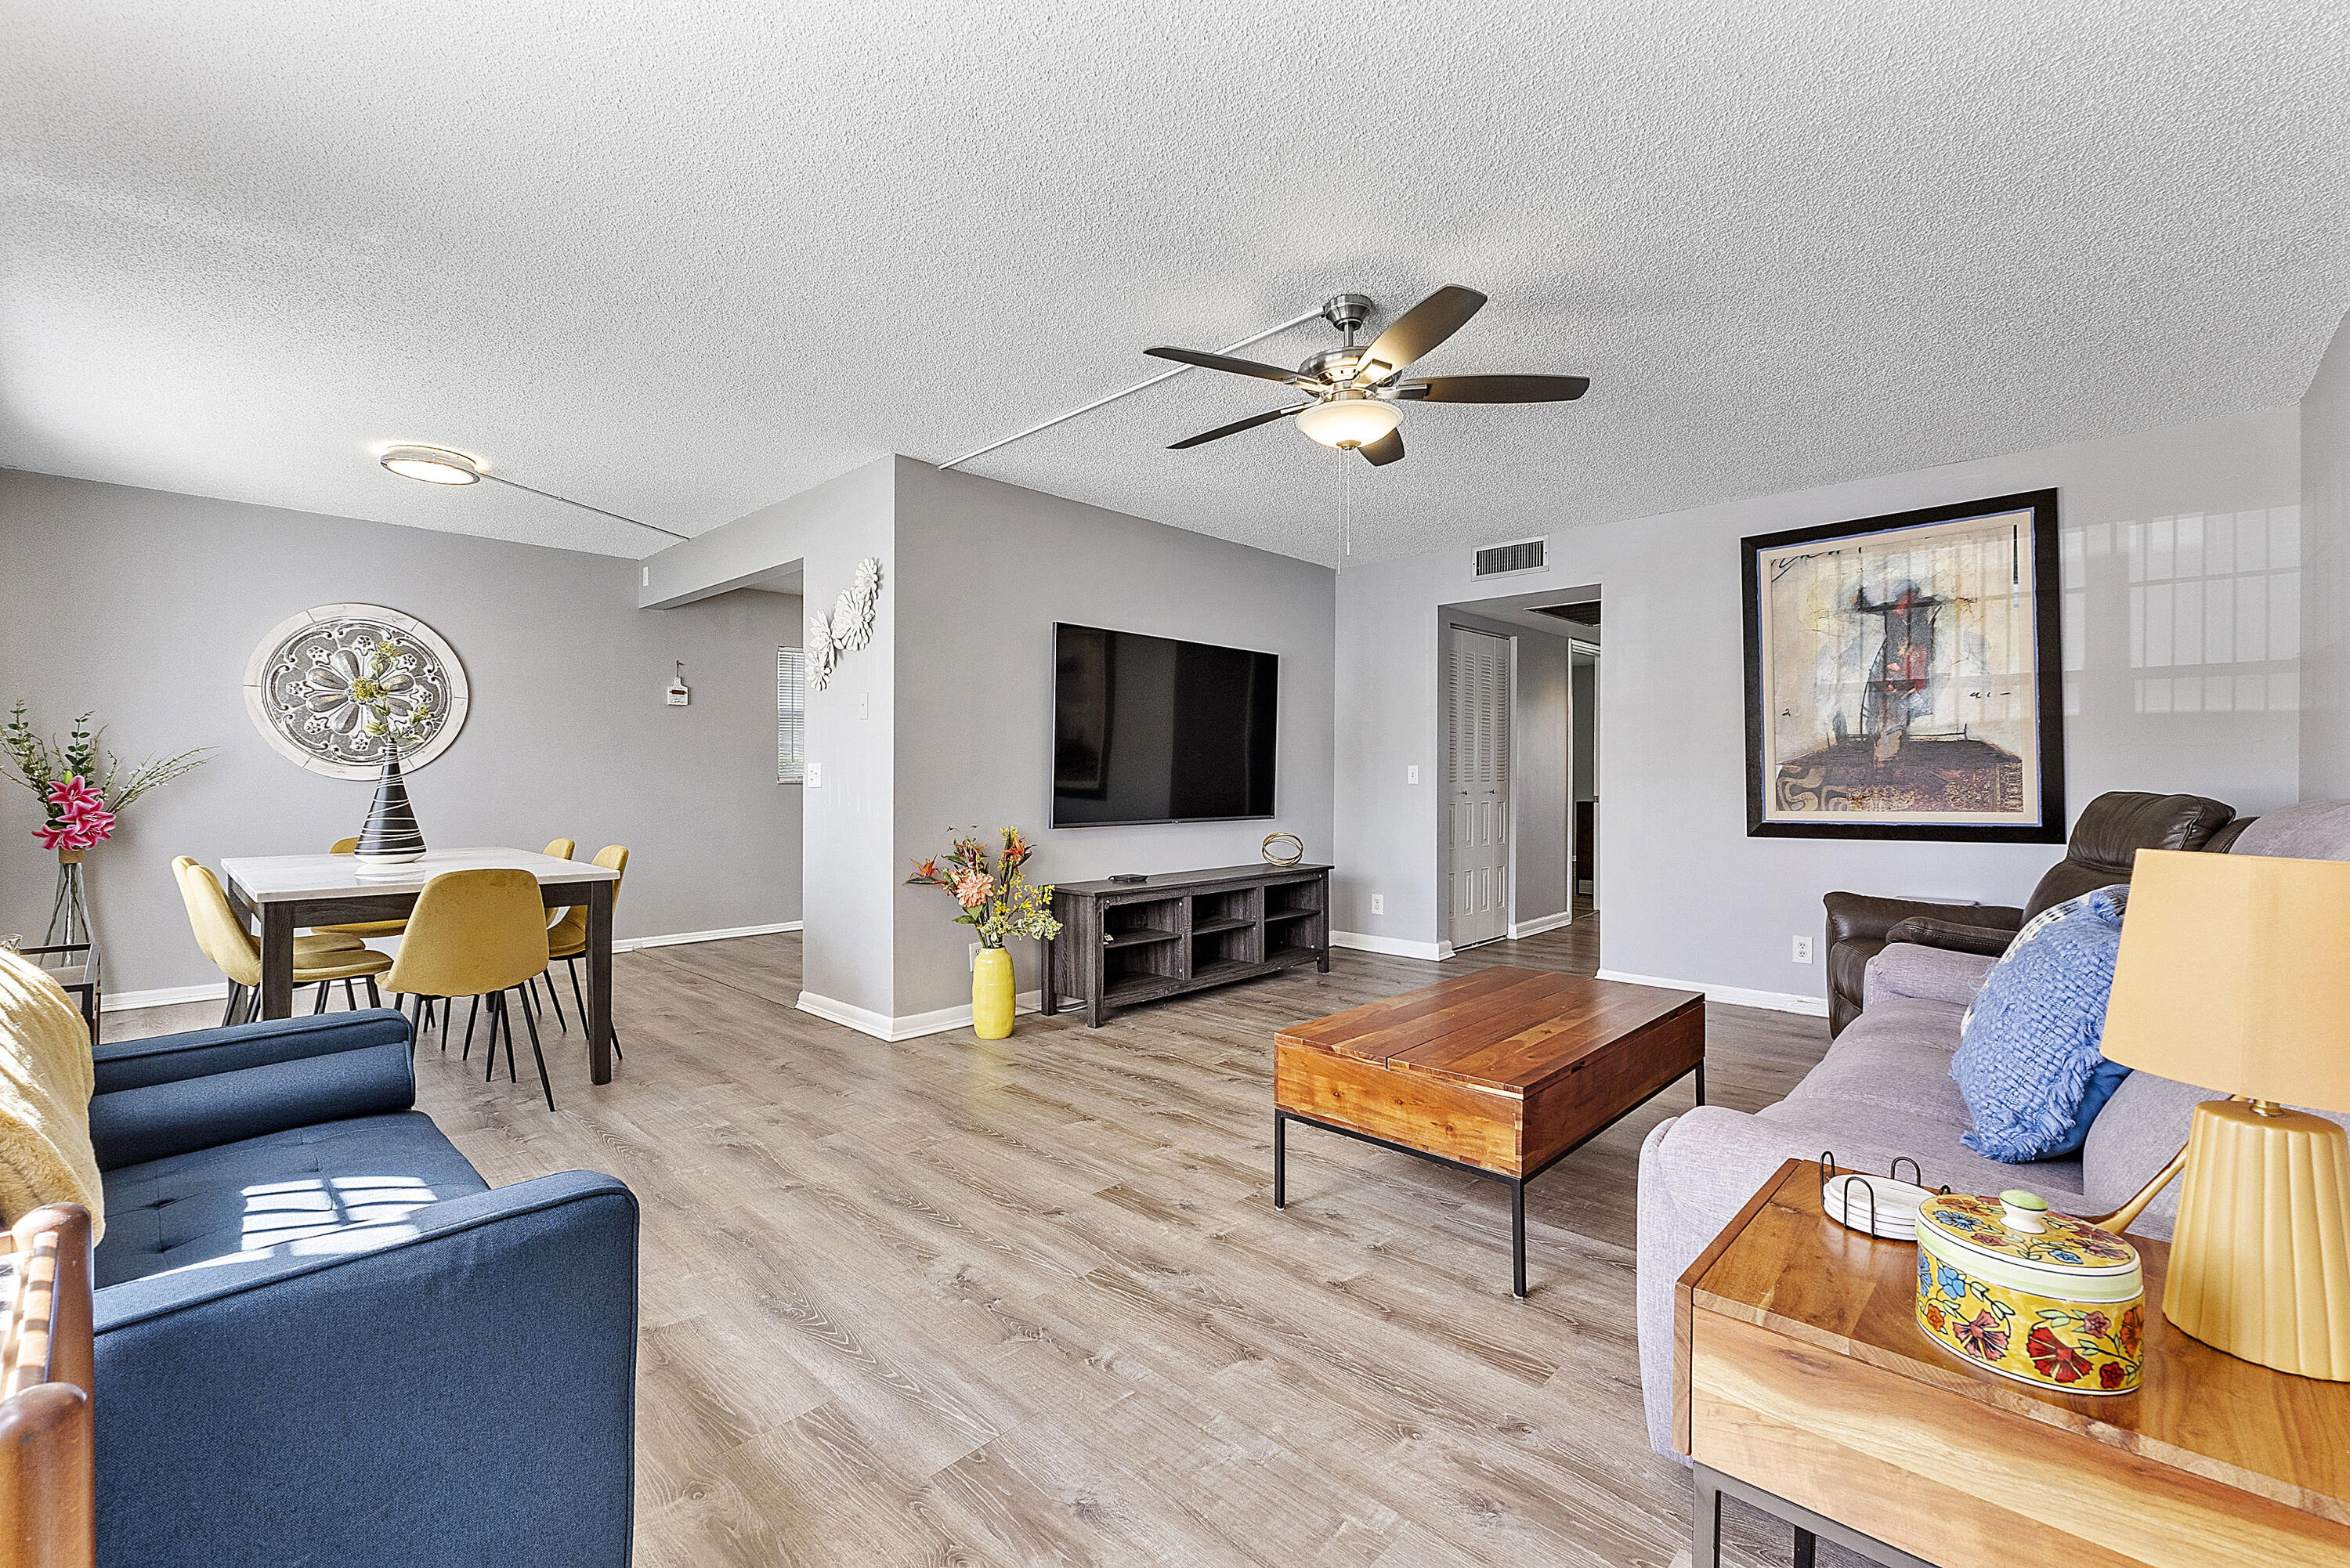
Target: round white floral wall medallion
{"type": "Point", "coordinates": [298, 689]}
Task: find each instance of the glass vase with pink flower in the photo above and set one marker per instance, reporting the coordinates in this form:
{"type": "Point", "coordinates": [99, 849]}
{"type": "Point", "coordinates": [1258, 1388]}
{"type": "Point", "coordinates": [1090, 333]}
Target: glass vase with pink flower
{"type": "Point", "coordinates": [82, 788]}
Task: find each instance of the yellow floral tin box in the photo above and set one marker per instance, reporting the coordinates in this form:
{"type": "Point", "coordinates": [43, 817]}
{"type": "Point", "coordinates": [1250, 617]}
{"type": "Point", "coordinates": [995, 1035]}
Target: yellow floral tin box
{"type": "Point", "coordinates": [2040, 1297]}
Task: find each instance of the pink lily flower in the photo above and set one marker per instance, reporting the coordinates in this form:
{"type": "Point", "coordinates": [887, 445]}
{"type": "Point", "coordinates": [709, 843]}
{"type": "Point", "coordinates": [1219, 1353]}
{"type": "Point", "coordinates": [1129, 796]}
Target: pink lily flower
{"type": "Point", "coordinates": [75, 797]}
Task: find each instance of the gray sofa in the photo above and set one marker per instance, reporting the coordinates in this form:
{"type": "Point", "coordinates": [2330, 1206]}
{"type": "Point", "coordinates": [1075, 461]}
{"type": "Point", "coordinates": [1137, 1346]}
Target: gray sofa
{"type": "Point", "coordinates": [1884, 1090]}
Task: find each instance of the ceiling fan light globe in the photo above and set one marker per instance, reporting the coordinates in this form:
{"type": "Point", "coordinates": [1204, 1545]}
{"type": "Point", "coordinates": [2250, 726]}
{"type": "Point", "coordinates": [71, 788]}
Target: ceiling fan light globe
{"type": "Point", "coordinates": [431, 464]}
{"type": "Point", "coordinates": [1349, 421]}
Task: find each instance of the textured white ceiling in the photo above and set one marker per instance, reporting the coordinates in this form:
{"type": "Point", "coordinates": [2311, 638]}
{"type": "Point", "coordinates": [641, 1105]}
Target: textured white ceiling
{"type": "Point", "coordinates": [680, 260]}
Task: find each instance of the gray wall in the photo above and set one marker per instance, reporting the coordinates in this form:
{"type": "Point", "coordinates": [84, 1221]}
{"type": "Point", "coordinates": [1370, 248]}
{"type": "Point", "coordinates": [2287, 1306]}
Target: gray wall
{"type": "Point", "coordinates": [145, 605]}
{"type": "Point", "coordinates": [989, 568]}
{"type": "Point", "coordinates": [2326, 575]}
{"type": "Point", "coordinates": [846, 882]}
{"type": "Point", "coordinates": [1687, 895]}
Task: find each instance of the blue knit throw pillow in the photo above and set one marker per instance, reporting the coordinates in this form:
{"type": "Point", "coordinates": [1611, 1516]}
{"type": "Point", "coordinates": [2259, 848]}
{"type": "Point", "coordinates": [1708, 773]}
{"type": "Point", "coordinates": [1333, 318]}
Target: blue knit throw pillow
{"type": "Point", "coordinates": [2027, 1062]}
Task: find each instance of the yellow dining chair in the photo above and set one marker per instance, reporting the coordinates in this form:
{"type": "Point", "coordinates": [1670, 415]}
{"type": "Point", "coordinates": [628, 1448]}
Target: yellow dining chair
{"type": "Point", "coordinates": [363, 930]}
{"type": "Point", "coordinates": [317, 959]}
{"type": "Point", "coordinates": [559, 849]}
{"type": "Point", "coordinates": [568, 938]}
{"type": "Point", "coordinates": [479, 934]}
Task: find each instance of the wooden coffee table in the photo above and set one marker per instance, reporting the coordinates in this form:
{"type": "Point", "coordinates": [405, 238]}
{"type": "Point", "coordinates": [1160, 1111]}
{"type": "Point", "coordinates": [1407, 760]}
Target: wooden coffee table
{"type": "Point", "coordinates": [1502, 1073]}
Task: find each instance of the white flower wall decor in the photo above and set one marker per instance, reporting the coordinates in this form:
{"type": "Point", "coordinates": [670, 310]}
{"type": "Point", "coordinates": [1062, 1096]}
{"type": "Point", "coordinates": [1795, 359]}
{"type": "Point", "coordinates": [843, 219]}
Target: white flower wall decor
{"type": "Point", "coordinates": [310, 688]}
{"type": "Point", "coordinates": [848, 628]}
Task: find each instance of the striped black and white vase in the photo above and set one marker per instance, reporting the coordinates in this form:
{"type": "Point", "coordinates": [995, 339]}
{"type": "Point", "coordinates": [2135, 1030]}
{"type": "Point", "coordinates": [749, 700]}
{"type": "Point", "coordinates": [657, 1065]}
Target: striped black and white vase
{"type": "Point", "coordinates": [390, 836]}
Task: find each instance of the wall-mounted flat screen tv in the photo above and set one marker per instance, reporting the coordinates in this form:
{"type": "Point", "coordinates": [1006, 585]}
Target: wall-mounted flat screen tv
{"type": "Point", "coordinates": [1148, 729]}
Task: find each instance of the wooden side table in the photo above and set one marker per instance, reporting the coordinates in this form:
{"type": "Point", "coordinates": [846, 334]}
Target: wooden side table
{"type": "Point", "coordinates": [1802, 1384]}
{"type": "Point", "coordinates": [79, 980]}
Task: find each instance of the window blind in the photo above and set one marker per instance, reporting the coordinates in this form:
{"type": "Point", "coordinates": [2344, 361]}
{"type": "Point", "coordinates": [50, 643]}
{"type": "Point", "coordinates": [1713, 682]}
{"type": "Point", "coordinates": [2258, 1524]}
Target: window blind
{"type": "Point", "coordinates": [791, 714]}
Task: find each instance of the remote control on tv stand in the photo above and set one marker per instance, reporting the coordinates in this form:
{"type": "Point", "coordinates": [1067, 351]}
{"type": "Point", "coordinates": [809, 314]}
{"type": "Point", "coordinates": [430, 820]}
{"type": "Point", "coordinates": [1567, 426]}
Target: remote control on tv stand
{"type": "Point", "coordinates": [1126, 877]}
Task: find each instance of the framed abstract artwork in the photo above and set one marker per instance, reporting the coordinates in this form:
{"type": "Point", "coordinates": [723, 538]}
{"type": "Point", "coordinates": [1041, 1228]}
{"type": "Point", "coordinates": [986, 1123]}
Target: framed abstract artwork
{"type": "Point", "coordinates": [1902, 678]}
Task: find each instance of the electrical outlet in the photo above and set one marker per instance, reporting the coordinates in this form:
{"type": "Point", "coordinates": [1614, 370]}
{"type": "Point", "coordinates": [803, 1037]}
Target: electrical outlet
{"type": "Point", "coordinates": [1411, 774]}
{"type": "Point", "coordinates": [865, 704]}
{"type": "Point", "coordinates": [1378, 904]}
{"type": "Point", "coordinates": [815, 773]}
{"type": "Point", "coordinates": [647, 581]}
{"type": "Point", "coordinates": [975, 958]}
{"type": "Point", "coordinates": [1802, 950]}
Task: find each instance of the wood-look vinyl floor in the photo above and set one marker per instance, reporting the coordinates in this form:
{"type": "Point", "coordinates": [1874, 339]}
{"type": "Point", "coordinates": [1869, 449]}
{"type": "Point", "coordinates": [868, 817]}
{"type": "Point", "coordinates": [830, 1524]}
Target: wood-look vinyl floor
{"type": "Point", "coordinates": [952, 1301]}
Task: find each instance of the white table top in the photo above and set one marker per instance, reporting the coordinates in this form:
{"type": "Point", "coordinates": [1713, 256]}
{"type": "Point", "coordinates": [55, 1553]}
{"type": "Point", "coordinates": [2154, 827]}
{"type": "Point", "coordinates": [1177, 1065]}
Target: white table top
{"type": "Point", "coordinates": [275, 878]}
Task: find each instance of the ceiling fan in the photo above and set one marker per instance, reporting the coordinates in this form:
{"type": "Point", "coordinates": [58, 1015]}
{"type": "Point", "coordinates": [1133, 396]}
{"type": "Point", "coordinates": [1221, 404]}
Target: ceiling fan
{"type": "Point", "coordinates": [1353, 392]}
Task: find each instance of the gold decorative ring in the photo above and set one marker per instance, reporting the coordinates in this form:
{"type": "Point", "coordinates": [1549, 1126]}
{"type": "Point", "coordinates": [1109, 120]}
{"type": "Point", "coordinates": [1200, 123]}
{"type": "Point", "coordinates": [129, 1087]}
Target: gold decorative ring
{"type": "Point", "coordinates": [1283, 849]}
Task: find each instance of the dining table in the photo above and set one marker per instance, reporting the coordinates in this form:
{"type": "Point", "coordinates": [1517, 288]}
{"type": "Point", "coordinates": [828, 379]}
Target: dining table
{"type": "Point", "coordinates": [282, 893]}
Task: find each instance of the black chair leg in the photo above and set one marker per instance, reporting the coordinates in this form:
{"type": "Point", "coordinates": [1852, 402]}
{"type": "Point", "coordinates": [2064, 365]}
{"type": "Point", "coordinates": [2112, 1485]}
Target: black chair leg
{"type": "Point", "coordinates": [545, 1084]}
{"type": "Point", "coordinates": [472, 1013]}
{"type": "Point", "coordinates": [497, 1014]}
{"type": "Point", "coordinates": [350, 995]}
{"type": "Point", "coordinates": [375, 997]}
{"type": "Point", "coordinates": [511, 1078]}
{"type": "Point", "coordinates": [323, 989]}
{"type": "Point", "coordinates": [573, 965]}
{"type": "Point", "coordinates": [235, 1001]}
{"type": "Point", "coordinates": [556, 1001]}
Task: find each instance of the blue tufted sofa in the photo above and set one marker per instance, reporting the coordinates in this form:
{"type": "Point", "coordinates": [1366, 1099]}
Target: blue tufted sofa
{"type": "Point", "coordinates": [322, 1339]}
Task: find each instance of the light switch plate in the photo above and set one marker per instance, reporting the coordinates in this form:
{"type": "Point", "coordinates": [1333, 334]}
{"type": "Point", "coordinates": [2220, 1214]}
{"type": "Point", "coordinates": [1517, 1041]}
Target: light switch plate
{"type": "Point", "coordinates": [1411, 774]}
{"type": "Point", "coordinates": [1378, 904]}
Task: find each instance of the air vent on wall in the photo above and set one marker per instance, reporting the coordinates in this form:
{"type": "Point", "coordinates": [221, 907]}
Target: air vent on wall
{"type": "Point", "coordinates": [1504, 560]}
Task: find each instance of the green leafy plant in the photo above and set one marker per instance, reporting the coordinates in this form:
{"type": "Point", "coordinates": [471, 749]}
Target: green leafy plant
{"type": "Point", "coordinates": [376, 690]}
{"type": "Point", "coordinates": [42, 765]}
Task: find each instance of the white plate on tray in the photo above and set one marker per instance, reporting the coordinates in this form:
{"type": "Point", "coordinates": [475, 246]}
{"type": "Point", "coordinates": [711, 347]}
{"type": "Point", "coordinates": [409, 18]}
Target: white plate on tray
{"type": "Point", "coordinates": [1895, 1207]}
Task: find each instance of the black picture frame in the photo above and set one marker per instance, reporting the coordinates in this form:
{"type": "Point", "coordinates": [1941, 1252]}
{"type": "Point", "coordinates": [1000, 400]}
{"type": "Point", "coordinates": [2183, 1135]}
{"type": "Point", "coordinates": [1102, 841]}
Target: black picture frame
{"type": "Point", "coordinates": [2047, 722]}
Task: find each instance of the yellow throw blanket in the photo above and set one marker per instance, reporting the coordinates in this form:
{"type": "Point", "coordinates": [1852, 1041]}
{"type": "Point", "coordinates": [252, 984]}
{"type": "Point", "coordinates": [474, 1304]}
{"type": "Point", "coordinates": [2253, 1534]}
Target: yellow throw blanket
{"type": "Point", "coordinates": [45, 1079]}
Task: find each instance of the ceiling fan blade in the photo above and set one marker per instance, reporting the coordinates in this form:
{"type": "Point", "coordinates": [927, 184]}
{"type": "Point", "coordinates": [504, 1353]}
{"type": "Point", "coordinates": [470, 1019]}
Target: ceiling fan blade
{"type": "Point", "coordinates": [1496, 389]}
{"type": "Point", "coordinates": [1388, 449]}
{"type": "Point", "coordinates": [1250, 423]}
{"type": "Point", "coordinates": [1418, 330]}
{"type": "Point", "coordinates": [1207, 361]}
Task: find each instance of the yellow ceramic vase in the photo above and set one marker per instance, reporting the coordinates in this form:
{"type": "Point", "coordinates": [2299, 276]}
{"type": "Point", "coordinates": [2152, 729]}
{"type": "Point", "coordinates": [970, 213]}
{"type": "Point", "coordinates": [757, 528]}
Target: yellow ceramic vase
{"type": "Point", "coordinates": [991, 994]}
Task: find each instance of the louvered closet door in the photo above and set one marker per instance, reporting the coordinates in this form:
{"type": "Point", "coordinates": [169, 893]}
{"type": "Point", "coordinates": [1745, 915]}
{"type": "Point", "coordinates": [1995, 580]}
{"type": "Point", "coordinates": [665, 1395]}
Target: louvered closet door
{"type": "Point", "coordinates": [1477, 776]}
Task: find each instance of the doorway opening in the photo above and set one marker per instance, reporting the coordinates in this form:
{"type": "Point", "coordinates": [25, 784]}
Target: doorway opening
{"type": "Point", "coordinates": [1517, 825]}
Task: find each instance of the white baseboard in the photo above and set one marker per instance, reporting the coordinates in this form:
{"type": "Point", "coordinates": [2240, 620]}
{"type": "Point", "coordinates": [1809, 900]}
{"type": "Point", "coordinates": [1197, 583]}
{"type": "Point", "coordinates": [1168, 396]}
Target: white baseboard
{"type": "Point", "coordinates": [1539, 924]}
{"type": "Point", "coordinates": [913, 1025]}
{"type": "Point", "coordinates": [679, 939]}
{"type": "Point", "coordinates": [168, 996]}
{"type": "Point", "coordinates": [178, 995]}
{"type": "Point", "coordinates": [1394, 947]}
{"type": "Point", "coordinates": [1732, 995]}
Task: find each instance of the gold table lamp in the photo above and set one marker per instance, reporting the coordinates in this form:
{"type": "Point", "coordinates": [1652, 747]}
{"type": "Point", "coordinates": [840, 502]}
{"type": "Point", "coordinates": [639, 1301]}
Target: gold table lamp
{"type": "Point", "coordinates": [2234, 972]}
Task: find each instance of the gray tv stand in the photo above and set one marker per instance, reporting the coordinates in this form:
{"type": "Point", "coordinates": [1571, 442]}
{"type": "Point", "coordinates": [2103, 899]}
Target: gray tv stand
{"type": "Point", "coordinates": [1125, 943]}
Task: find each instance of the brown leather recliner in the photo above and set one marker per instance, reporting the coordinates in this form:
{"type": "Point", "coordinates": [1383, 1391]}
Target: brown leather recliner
{"type": "Point", "coordinates": [2107, 836]}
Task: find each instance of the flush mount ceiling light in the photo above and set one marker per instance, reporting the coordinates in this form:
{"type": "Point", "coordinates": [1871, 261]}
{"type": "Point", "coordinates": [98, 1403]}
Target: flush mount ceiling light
{"type": "Point", "coordinates": [1349, 421]}
{"type": "Point", "coordinates": [441, 466]}
{"type": "Point", "coordinates": [433, 464]}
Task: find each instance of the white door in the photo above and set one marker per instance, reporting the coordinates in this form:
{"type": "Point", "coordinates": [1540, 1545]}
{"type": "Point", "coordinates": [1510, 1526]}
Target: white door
{"type": "Point", "coordinates": [1477, 774]}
